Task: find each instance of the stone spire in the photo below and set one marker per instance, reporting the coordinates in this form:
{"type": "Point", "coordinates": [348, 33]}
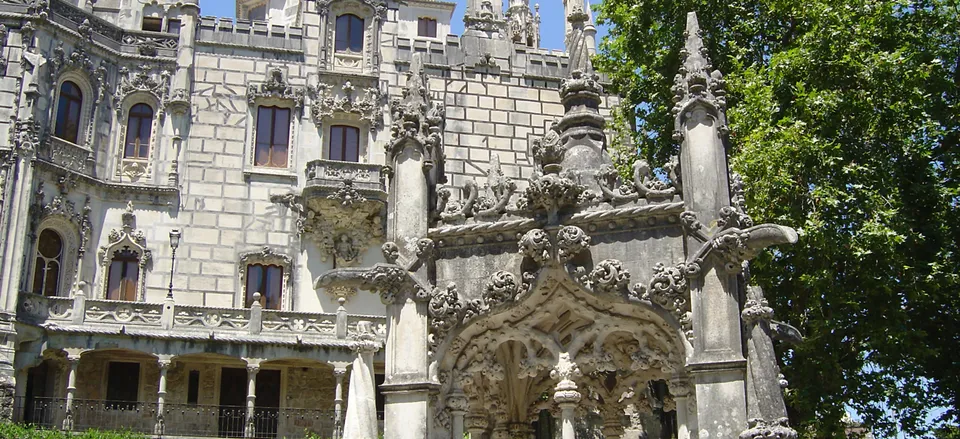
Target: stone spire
{"type": "Point", "coordinates": [484, 16]}
{"type": "Point", "coordinates": [697, 81]}
{"type": "Point", "coordinates": [576, 8]}
{"type": "Point", "coordinates": [523, 26]}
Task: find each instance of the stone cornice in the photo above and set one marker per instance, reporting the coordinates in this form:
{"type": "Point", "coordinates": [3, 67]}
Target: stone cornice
{"type": "Point", "coordinates": [142, 194]}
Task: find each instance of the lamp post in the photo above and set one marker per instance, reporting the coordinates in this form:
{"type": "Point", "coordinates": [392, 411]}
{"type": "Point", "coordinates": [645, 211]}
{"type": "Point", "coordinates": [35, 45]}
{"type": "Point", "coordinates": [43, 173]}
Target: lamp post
{"type": "Point", "coordinates": [174, 243]}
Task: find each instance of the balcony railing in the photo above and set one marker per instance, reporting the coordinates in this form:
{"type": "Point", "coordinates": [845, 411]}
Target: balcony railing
{"type": "Point", "coordinates": [364, 176]}
{"type": "Point", "coordinates": [161, 317]}
{"type": "Point", "coordinates": [68, 155]}
{"type": "Point", "coordinates": [175, 420]}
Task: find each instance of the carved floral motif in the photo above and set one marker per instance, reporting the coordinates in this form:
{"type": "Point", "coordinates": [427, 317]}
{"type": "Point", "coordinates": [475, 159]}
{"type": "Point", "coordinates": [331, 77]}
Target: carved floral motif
{"type": "Point", "coordinates": [276, 86]}
{"type": "Point", "coordinates": [502, 287]}
{"type": "Point", "coordinates": [368, 104]}
{"type": "Point", "coordinates": [535, 244]}
{"type": "Point", "coordinates": [609, 277]}
{"type": "Point", "coordinates": [571, 240]}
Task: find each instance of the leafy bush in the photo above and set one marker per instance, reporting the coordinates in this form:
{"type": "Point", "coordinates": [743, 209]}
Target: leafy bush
{"type": "Point", "coordinates": [19, 431]}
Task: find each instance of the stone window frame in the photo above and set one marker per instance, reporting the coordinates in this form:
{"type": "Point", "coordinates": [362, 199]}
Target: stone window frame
{"type": "Point", "coordinates": [372, 12]}
{"type": "Point", "coordinates": [351, 120]}
{"type": "Point", "coordinates": [436, 27]}
{"type": "Point", "coordinates": [265, 256]}
{"type": "Point", "coordinates": [84, 134]}
{"type": "Point", "coordinates": [70, 239]}
{"type": "Point", "coordinates": [124, 237]}
{"type": "Point", "coordinates": [129, 170]}
{"type": "Point", "coordinates": [292, 101]}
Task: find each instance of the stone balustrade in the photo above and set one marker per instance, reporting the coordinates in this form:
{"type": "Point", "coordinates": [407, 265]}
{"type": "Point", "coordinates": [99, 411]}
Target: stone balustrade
{"type": "Point", "coordinates": [332, 173]}
{"type": "Point", "coordinates": [67, 155]}
{"type": "Point", "coordinates": [79, 311]}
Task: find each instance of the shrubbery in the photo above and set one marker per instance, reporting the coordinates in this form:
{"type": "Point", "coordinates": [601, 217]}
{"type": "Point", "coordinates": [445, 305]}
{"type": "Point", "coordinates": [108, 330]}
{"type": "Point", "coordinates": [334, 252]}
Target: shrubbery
{"type": "Point", "coordinates": [17, 431]}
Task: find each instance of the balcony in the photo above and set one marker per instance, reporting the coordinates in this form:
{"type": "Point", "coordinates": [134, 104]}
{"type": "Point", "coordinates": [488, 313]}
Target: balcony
{"type": "Point", "coordinates": [67, 155]}
{"type": "Point", "coordinates": [181, 420]}
{"type": "Point", "coordinates": [326, 178]}
{"type": "Point", "coordinates": [170, 320]}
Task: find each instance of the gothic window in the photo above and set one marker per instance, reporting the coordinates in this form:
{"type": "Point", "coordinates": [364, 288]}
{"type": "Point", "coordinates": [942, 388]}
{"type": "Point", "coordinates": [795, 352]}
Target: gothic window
{"type": "Point", "coordinates": [427, 27]}
{"type": "Point", "coordinates": [124, 275]}
{"type": "Point", "coordinates": [123, 385]}
{"type": "Point", "coordinates": [266, 280]}
{"type": "Point", "coordinates": [349, 34]}
{"type": "Point", "coordinates": [272, 137]}
{"type": "Point", "coordinates": [139, 127]}
{"type": "Point", "coordinates": [344, 143]}
{"type": "Point", "coordinates": [69, 108]}
{"type": "Point", "coordinates": [46, 276]}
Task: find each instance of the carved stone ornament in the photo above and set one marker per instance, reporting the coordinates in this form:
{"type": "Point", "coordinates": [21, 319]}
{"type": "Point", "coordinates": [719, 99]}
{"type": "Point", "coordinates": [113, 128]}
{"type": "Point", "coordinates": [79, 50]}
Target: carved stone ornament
{"type": "Point", "coordinates": [502, 287]}
{"type": "Point", "coordinates": [414, 118]}
{"type": "Point", "coordinates": [670, 290]}
{"type": "Point", "coordinates": [367, 104]}
{"type": "Point", "coordinates": [760, 429]}
{"type": "Point", "coordinates": [391, 252]}
{"type": "Point", "coordinates": [142, 81]}
{"type": "Point", "coordinates": [445, 310]}
{"type": "Point", "coordinates": [339, 232]}
{"type": "Point", "coordinates": [551, 192]}
{"type": "Point", "coordinates": [276, 87]}
{"type": "Point", "coordinates": [571, 240]}
{"type": "Point", "coordinates": [388, 281]}
{"type": "Point", "coordinates": [490, 205]}
{"type": "Point", "coordinates": [126, 238]}
{"type": "Point", "coordinates": [755, 311]}
{"type": "Point", "coordinates": [547, 150]}
{"type": "Point", "coordinates": [565, 371]}
{"type": "Point", "coordinates": [379, 7]}
{"type": "Point", "coordinates": [648, 356]}
{"type": "Point", "coordinates": [609, 277]}
{"type": "Point", "coordinates": [535, 244]}
{"type": "Point", "coordinates": [697, 81]}
{"type": "Point", "coordinates": [346, 194]}
{"type": "Point", "coordinates": [79, 59]}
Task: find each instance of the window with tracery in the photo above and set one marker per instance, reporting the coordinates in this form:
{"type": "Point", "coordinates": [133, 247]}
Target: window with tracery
{"type": "Point", "coordinates": [49, 261]}
{"type": "Point", "coordinates": [123, 275]}
{"type": "Point", "coordinates": [266, 279]}
{"type": "Point", "coordinates": [344, 143]}
{"type": "Point", "coordinates": [349, 34]}
{"type": "Point", "coordinates": [139, 129]}
{"type": "Point", "coordinates": [272, 137]}
{"type": "Point", "coordinates": [69, 110]}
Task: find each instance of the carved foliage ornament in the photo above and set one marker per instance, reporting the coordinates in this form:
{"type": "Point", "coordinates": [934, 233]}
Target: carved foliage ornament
{"type": "Point", "coordinates": [266, 256]}
{"type": "Point", "coordinates": [760, 429]}
{"type": "Point", "coordinates": [609, 277]}
{"type": "Point", "coordinates": [535, 244]}
{"type": "Point", "coordinates": [670, 290]}
{"type": "Point", "coordinates": [367, 104]}
{"type": "Point", "coordinates": [414, 118]}
{"type": "Point", "coordinates": [60, 63]}
{"type": "Point", "coordinates": [342, 233]}
{"type": "Point", "coordinates": [142, 80]}
{"type": "Point", "coordinates": [126, 238]}
{"type": "Point", "coordinates": [276, 87]}
{"type": "Point", "coordinates": [571, 240]}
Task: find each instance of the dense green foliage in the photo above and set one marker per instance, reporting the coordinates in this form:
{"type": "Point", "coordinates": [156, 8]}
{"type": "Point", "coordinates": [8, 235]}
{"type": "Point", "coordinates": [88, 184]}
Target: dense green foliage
{"type": "Point", "coordinates": [844, 123]}
{"type": "Point", "coordinates": [19, 431]}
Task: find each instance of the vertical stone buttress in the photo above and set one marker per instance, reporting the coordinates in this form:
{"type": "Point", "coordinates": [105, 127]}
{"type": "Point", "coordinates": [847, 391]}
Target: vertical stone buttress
{"type": "Point", "coordinates": [416, 159]}
{"type": "Point", "coordinates": [717, 363]}
{"type": "Point", "coordinates": [178, 103]}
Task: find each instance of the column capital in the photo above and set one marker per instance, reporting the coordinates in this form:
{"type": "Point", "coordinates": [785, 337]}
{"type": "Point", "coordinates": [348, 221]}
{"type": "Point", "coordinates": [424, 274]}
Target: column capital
{"type": "Point", "coordinates": [253, 364]}
{"type": "Point", "coordinates": [164, 362]}
{"type": "Point", "coordinates": [339, 372]}
{"type": "Point", "coordinates": [458, 403]}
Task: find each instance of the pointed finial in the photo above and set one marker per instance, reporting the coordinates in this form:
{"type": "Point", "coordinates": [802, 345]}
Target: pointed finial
{"type": "Point", "coordinates": [697, 81]}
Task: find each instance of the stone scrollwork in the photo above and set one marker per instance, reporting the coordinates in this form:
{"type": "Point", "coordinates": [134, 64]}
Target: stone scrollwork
{"type": "Point", "coordinates": [367, 104]}
{"type": "Point", "coordinates": [502, 287]}
{"type": "Point", "coordinates": [551, 192]}
{"type": "Point", "coordinates": [344, 234]}
{"type": "Point", "coordinates": [535, 244]}
{"type": "Point", "coordinates": [670, 290]}
{"type": "Point", "coordinates": [388, 281]}
{"type": "Point", "coordinates": [756, 310]}
{"type": "Point", "coordinates": [79, 59]}
{"type": "Point", "coordinates": [277, 87]}
{"type": "Point", "coordinates": [651, 357]}
{"type": "Point", "coordinates": [142, 81]}
{"type": "Point", "coordinates": [391, 252]}
{"type": "Point", "coordinates": [609, 277]}
{"type": "Point", "coordinates": [760, 429]}
{"type": "Point", "coordinates": [571, 240]}
{"type": "Point", "coordinates": [446, 309]}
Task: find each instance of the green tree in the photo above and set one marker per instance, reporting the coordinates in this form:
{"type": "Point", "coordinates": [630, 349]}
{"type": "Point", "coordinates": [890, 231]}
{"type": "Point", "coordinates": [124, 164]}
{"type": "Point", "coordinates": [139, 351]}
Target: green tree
{"type": "Point", "coordinates": [844, 123]}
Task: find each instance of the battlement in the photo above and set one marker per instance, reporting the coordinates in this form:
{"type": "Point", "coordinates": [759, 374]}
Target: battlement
{"type": "Point", "coordinates": [249, 33]}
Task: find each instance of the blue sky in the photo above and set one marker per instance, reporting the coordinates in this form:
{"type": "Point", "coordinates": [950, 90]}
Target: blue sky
{"type": "Point", "coordinates": [551, 18]}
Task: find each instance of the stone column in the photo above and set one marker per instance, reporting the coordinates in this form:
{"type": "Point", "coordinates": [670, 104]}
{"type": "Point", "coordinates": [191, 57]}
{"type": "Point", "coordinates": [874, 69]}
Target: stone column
{"type": "Point", "coordinates": [20, 393]}
{"type": "Point", "coordinates": [361, 422]}
{"type": "Point", "coordinates": [163, 362]}
{"type": "Point", "coordinates": [476, 425]}
{"type": "Point", "coordinates": [338, 373]}
{"type": "Point", "coordinates": [717, 362]}
{"type": "Point", "coordinates": [253, 367]}
{"type": "Point", "coordinates": [565, 393]}
{"type": "Point", "coordinates": [683, 395]}
{"type": "Point", "coordinates": [73, 361]}
{"type": "Point", "coordinates": [458, 409]}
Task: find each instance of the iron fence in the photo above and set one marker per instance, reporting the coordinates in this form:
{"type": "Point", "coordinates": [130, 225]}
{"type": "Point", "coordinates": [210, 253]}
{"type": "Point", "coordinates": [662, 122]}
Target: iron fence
{"type": "Point", "coordinates": [176, 420]}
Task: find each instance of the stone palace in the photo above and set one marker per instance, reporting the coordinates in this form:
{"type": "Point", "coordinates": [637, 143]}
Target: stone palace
{"type": "Point", "coordinates": [334, 217]}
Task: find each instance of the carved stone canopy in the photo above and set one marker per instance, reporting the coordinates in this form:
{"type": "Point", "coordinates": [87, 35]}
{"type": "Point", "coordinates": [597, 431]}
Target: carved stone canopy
{"type": "Point", "coordinates": [276, 86]}
{"type": "Point", "coordinates": [366, 103]}
{"type": "Point", "coordinates": [555, 319]}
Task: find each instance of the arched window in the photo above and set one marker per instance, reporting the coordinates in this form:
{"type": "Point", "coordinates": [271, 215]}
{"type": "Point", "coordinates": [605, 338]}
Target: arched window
{"type": "Point", "coordinates": [349, 33]}
{"type": "Point", "coordinates": [344, 143]}
{"type": "Point", "coordinates": [68, 112]}
{"type": "Point", "coordinates": [273, 137]}
{"type": "Point", "coordinates": [139, 126]}
{"type": "Point", "coordinates": [124, 275]}
{"type": "Point", "coordinates": [266, 280]}
{"type": "Point", "coordinates": [46, 272]}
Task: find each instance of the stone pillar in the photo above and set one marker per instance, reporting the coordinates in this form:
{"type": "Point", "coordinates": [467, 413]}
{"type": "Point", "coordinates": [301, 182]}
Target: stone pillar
{"type": "Point", "coordinates": [476, 425]}
{"type": "Point", "coordinates": [458, 409]}
{"type": "Point", "coordinates": [361, 420]}
{"type": "Point", "coordinates": [338, 373]}
{"type": "Point", "coordinates": [565, 393]}
{"type": "Point", "coordinates": [253, 367]}
{"type": "Point", "coordinates": [163, 362]}
{"type": "Point", "coordinates": [717, 362]}
{"type": "Point", "coordinates": [73, 361]}
{"type": "Point", "coordinates": [20, 394]}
